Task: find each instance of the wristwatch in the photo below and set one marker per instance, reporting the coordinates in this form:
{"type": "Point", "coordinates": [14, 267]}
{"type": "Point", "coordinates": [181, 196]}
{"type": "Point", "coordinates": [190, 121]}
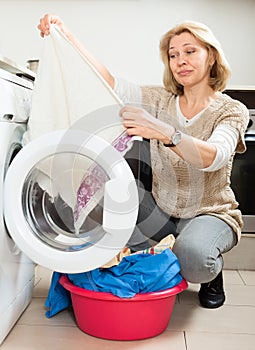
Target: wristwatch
{"type": "Point", "coordinates": [176, 139]}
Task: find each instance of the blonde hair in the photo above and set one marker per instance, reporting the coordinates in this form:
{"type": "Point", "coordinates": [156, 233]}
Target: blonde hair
{"type": "Point", "coordinates": [219, 71]}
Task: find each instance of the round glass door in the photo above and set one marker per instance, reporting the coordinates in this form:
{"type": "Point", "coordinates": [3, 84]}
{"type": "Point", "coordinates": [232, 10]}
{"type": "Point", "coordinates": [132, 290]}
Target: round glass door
{"type": "Point", "coordinates": [71, 201]}
{"type": "Point", "coordinates": [50, 209]}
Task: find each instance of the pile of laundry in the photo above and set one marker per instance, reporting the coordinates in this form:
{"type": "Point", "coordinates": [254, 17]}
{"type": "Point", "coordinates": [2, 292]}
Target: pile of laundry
{"type": "Point", "coordinates": [151, 270]}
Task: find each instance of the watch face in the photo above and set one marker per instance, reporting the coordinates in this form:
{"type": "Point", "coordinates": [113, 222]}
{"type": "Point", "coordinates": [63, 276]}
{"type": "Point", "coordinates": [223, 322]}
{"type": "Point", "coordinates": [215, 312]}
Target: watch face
{"type": "Point", "coordinates": [176, 138]}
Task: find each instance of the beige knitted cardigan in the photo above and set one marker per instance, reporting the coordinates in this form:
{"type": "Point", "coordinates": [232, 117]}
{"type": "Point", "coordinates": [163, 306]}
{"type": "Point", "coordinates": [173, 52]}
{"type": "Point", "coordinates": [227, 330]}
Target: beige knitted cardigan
{"type": "Point", "coordinates": [180, 189]}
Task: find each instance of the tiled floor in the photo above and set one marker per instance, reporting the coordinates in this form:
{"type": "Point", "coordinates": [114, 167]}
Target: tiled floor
{"type": "Point", "coordinates": [232, 327]}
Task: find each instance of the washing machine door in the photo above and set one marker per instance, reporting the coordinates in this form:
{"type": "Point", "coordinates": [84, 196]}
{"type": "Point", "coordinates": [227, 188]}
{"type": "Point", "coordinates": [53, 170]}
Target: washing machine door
{"type": "Point", "coordinates": [44, 215]}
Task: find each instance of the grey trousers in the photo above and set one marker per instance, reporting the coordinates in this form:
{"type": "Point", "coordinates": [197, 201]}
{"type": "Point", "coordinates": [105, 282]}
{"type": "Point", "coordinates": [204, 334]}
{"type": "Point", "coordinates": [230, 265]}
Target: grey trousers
{"type": "Point", "coordinates": [200, 241]}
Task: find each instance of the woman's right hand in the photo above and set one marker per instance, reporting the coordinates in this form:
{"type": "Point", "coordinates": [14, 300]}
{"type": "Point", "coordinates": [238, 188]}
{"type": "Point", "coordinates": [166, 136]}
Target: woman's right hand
{"type": "Point", "coordinates": [44, 28]}
{"type": "Point", "coordinates": [46, 22]}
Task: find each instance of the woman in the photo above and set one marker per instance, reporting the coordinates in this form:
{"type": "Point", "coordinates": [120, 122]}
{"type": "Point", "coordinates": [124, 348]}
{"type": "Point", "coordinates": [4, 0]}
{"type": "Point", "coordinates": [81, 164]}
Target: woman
{"type": "Point", "coordinates": [194, 132]}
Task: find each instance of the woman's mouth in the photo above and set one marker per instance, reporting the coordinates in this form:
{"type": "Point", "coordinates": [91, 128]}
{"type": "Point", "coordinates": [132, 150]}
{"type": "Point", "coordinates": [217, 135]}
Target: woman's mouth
{"type": "Point", "coordinates": [185, 72]}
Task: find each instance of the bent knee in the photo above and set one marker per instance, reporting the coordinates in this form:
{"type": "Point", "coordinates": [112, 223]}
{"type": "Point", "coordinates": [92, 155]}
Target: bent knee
{"type": "Point", "coordinates": [197, 266]}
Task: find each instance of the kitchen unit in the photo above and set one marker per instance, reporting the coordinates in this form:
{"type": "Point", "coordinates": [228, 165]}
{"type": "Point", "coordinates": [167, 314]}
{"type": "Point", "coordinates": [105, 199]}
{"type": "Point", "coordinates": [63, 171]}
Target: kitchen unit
{"type": "Point", "coordinates": [242, 179]}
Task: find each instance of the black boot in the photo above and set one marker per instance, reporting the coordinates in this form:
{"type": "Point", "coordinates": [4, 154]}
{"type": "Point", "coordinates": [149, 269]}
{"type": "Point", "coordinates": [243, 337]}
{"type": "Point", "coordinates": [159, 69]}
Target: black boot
{"type": "Point", "coordinates": [211, 295]}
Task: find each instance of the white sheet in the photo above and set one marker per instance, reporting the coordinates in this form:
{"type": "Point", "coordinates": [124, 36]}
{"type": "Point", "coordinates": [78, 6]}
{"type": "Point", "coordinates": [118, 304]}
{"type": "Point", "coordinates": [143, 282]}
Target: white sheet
{"type": "Point", "coordinates": [67, 93]}
{"type": "Point", "coordinates": [66, 88]}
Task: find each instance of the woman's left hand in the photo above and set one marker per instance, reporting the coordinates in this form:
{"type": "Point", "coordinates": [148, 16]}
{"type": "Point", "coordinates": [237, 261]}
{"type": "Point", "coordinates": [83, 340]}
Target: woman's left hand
{"type": "Point", "coordinates": [140, 123]}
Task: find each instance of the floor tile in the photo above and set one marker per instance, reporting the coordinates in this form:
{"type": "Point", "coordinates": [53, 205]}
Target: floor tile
{"type": "Point", "coordinates": [231, 319]}
{"type": "Point", "coordinates": [66, 338]}
{"type": "Point", "coordinates": [43, 272]}
{"type": "Point", "coordinates": [248, 277]}
{"type": "Point", "coordinates": [240, 295]}
{"type": "Point", "coordinates": [42, 282]}
{"type": "Point", "coordinates": [232, 277]}
{"type": "Point", "coordinates": [35, 315]}
{"type": "Point", "coordinates": [223, 341]}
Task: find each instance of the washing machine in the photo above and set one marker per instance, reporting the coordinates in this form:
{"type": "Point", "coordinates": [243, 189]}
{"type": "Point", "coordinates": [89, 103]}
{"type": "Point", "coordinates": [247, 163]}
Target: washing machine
{"type": "Point", "coordinates": [41, 186]}
{"type": "Point", "coordinates": [16, 269]}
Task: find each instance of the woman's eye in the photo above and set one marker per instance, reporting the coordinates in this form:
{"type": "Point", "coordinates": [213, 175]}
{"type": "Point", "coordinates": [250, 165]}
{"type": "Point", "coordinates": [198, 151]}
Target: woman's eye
{"type": "Point", "coordinates": [189, 52]}
{"type": "Point", "coordinates": [172, 56]}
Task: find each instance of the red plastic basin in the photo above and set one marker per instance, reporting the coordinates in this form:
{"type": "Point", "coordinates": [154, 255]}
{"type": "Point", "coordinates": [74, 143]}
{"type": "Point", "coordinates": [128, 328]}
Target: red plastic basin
{"type": "Point", "coordinates": [107, 316]}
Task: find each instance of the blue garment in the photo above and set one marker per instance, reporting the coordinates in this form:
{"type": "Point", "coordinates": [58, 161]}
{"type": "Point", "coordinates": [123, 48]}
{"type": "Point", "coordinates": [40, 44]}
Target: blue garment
{"type": "Point", "coordinates": [137, 273]}
{"type": "Point", "coordinates": [58, 297]}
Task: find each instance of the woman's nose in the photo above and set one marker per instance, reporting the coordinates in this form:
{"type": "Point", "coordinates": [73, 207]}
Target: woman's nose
{"type": "Point", "coordinates": [182, 63]}
{"type": "Point", "coordinates": [181, 60]}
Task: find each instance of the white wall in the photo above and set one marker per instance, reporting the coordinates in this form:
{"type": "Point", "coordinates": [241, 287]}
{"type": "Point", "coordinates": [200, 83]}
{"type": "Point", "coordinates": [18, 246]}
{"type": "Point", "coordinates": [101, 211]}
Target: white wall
{"type": "Point", "coordinates": [125, 34]}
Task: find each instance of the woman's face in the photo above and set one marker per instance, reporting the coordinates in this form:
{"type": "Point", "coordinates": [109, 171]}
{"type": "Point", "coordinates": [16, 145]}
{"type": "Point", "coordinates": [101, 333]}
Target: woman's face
{"type": "Point", "coordinates": [188, 60]}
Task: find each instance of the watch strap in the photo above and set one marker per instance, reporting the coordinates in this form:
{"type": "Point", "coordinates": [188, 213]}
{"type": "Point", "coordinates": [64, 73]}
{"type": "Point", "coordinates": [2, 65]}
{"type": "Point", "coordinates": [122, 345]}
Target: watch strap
{"type": "Point", "coordinates": [171, 144]}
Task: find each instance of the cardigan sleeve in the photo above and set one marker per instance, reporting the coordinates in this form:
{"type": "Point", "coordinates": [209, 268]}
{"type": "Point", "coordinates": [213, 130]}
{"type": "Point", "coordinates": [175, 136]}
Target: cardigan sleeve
{"type": "Point", "coordinates": [224, 138]}
{"type": "Point", "coordinates": [236, 115]}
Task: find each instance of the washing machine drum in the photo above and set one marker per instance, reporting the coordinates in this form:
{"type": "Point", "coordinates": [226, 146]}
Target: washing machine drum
{"type": "Point", "coordinates": [71, 201]}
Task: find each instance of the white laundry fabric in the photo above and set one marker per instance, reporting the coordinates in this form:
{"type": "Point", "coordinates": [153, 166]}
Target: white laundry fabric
{"type": "Point", "coordinates": [67, 90]}
{"type": "Point", "coordinates": [67, 87]}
